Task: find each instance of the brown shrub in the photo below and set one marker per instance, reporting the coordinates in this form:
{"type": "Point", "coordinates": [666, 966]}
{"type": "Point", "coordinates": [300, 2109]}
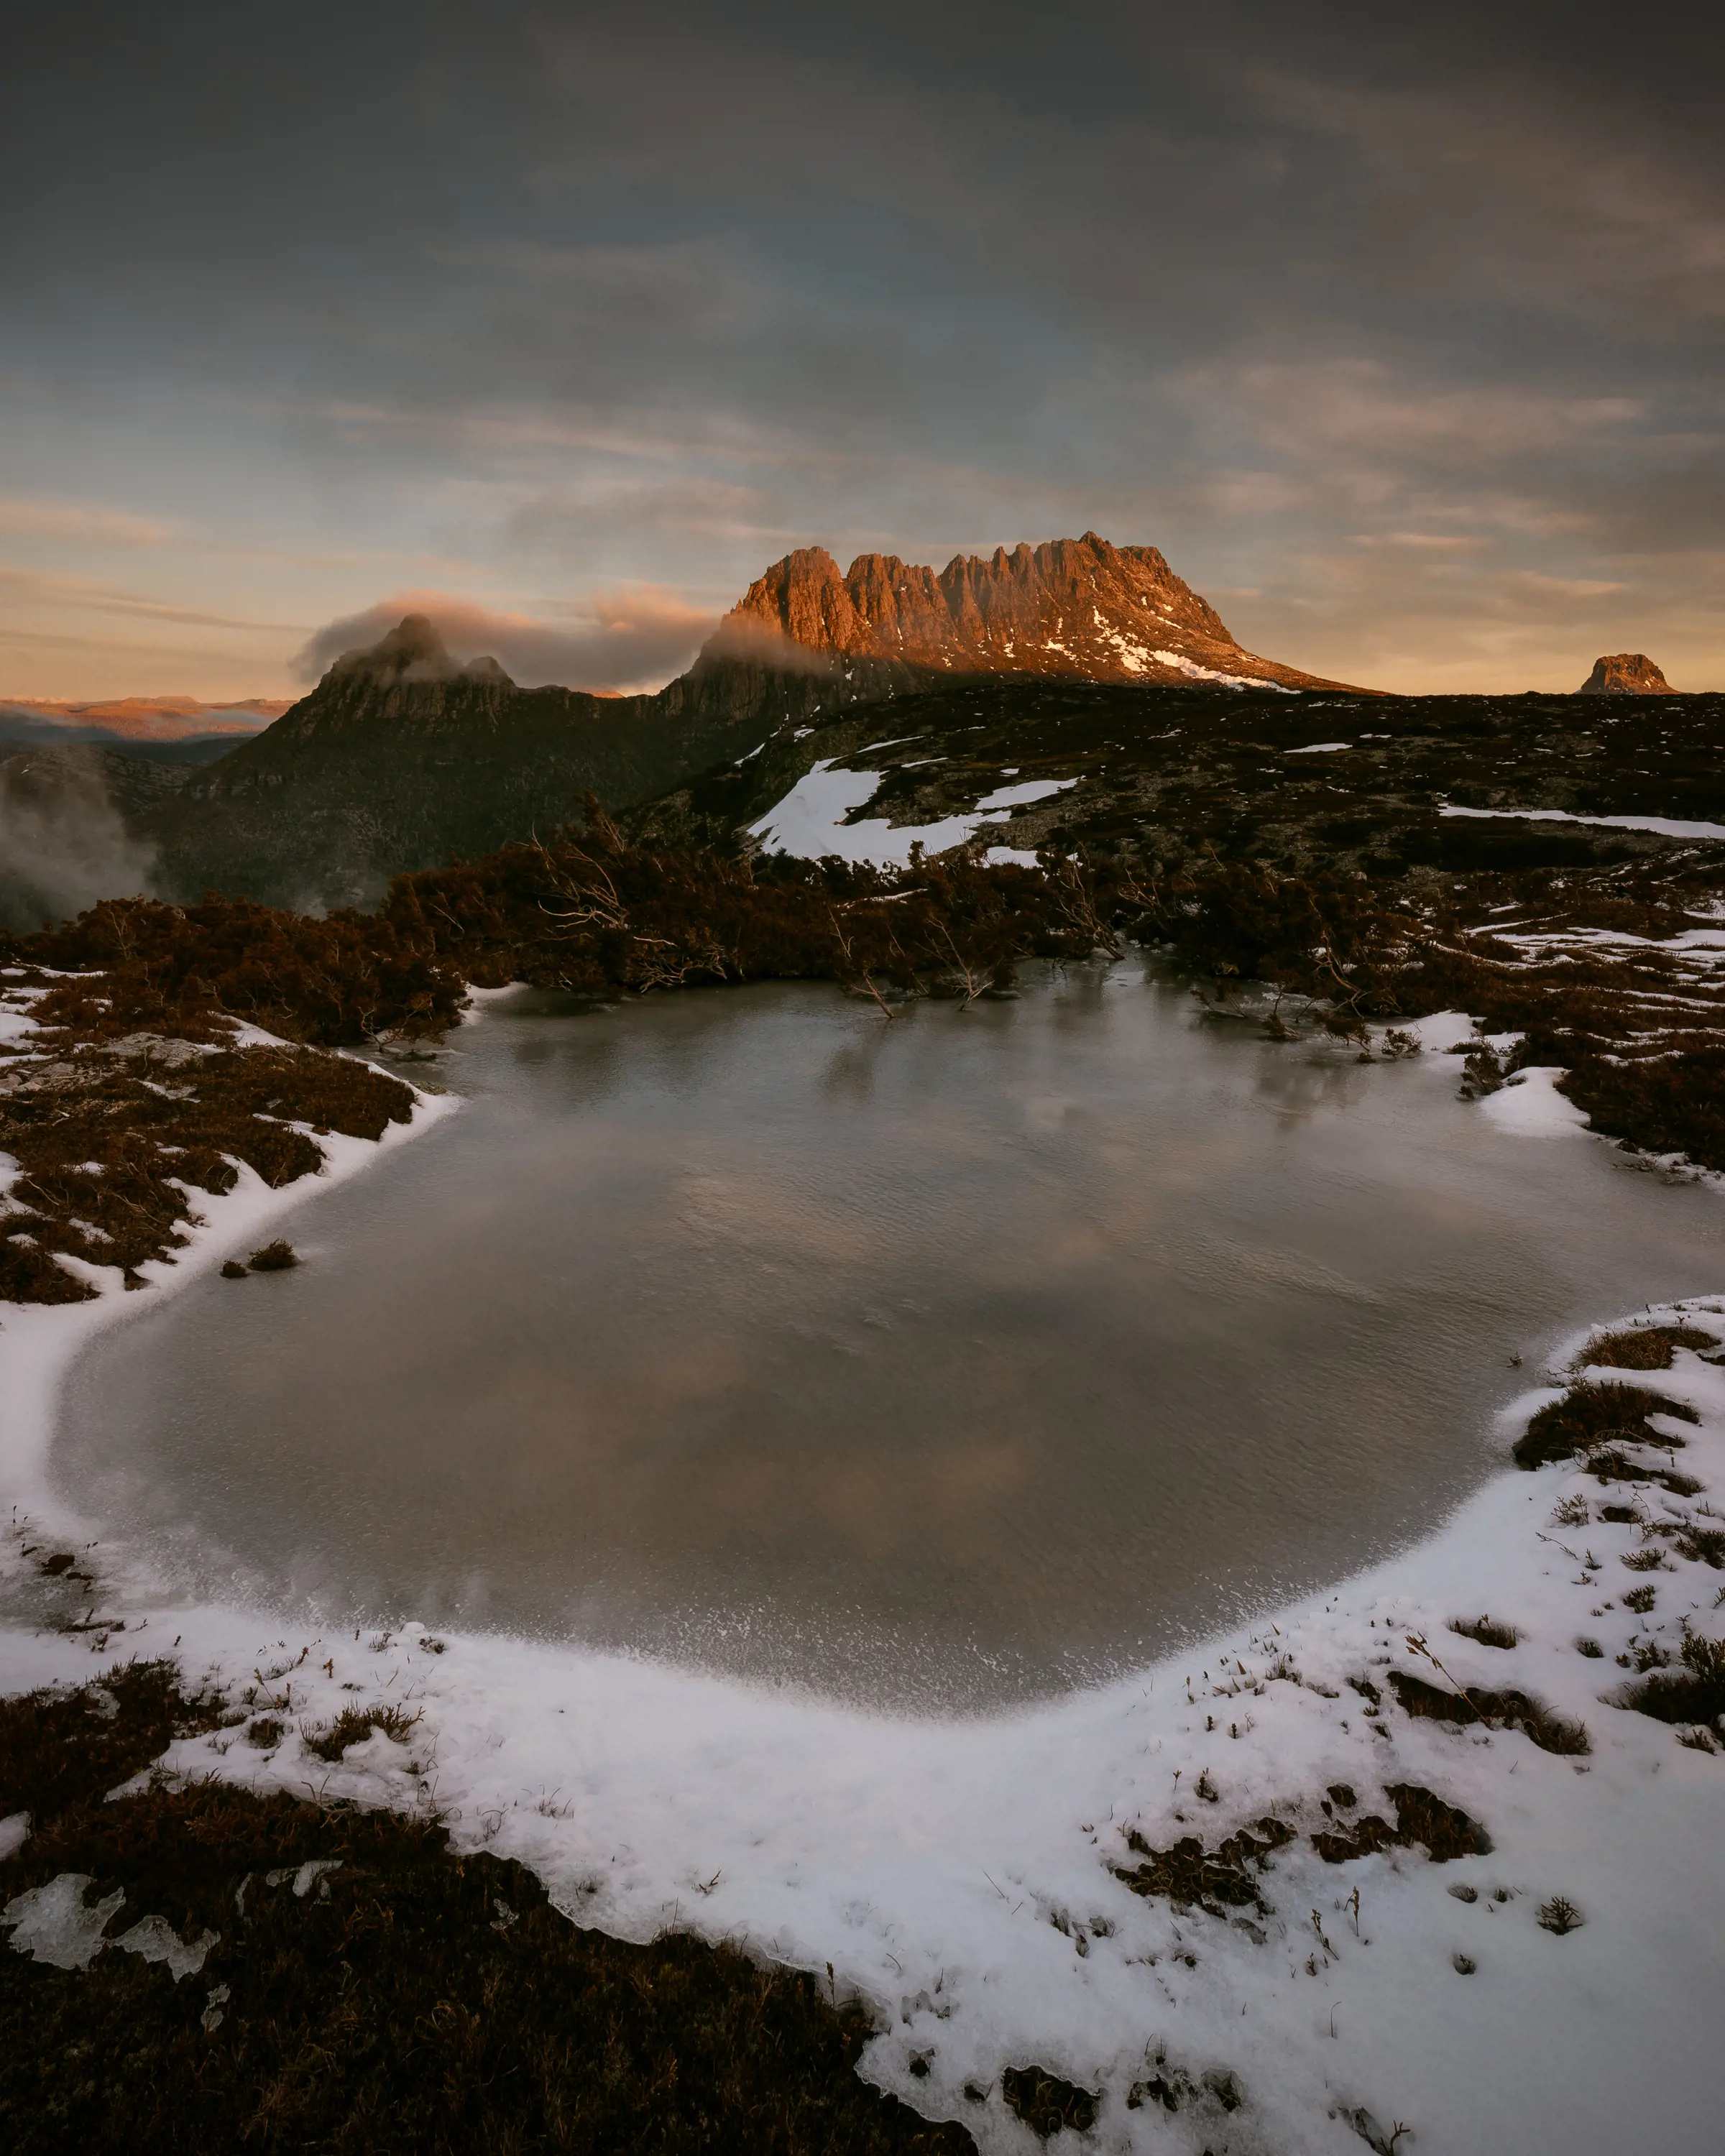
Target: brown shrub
{"type": "Point", "coordinates": [1695, 1694]}
{"type": "Point", "coordinates": [1045, 2102]}
{"type": "Point", "coordinates": [108, 1145]}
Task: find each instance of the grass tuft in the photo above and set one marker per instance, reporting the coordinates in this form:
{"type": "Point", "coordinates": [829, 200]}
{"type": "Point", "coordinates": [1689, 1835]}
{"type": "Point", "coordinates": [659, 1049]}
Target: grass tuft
{"type": "Point", "coordinates": [1507, 1710]}
{"type": "Point", "coordinates": [1641, 1347]}
{"type": "Point", "coordinates": [353, 1725]}
{"type": "Point", "coordinates": [1589, 1415]}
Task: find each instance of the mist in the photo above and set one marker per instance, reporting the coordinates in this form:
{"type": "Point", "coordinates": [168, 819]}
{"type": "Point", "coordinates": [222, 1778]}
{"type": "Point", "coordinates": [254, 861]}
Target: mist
{"type": "Point", "coordinates": [64, 842]}
{"type": "Point", "coordinates": [636, 639]}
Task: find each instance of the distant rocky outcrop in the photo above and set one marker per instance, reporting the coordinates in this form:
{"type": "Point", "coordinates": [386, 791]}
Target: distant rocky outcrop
{"type": "Point", "coordinates": [1625, 674]}
{"type": "Point", "coordinates": [1078, 608]}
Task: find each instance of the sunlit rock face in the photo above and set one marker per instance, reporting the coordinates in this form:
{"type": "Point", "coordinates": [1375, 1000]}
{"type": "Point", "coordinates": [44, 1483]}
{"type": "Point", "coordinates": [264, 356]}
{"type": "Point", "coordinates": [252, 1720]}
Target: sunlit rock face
{"type": "Point", "coordinates": [1625, 674]}
{"type": "Point", "coordinates": [1072, 607]}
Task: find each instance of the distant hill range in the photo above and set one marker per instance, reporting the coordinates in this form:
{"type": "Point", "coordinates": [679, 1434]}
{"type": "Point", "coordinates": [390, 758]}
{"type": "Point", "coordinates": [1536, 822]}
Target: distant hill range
{"type": "Point", "coordinates": [159, 726]}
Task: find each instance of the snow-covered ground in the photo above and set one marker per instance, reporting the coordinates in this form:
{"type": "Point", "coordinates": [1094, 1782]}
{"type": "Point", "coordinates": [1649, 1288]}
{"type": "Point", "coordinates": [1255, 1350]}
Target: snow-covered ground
{"type": "Point", "coordinates": [1668, 827]}
{"type": "Point", "coordinates": [810, 819]}
{"type": "Point", "coordinates": [962, 1876]}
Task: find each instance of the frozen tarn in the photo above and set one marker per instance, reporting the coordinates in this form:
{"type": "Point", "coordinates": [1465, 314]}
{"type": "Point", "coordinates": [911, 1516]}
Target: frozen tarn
{"type": "Point", "coordinates": [810, 822]}
{"type": "Point", "coordinates": [1666, 827]}
{"type": "Point", "coordinates": [962, 1876]}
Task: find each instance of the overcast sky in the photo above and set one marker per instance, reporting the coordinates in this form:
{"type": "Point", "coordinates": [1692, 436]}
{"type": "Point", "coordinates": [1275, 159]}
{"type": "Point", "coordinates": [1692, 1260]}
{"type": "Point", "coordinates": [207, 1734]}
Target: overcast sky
{"type": "Point", "coordinates": [1398, 328]}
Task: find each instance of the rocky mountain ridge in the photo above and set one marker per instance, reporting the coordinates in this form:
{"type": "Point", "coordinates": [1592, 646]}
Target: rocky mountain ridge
{"type": "Point", "coordinates": [1079, 608]}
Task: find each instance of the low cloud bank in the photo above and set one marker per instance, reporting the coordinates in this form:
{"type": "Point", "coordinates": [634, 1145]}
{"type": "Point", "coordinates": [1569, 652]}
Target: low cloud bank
{"type": "Point", "coordinates": [629, 639]}
{"type": "Point", "coordinates": [750, 641]}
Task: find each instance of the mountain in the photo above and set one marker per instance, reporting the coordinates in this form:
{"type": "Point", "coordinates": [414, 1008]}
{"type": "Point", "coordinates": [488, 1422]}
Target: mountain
{"type": "Point", "coordinates": [1081, 609]}
{"type": "Point", "coordinates": [1625, 674]}
{"type": "Point", "coordinates": [401, 758]}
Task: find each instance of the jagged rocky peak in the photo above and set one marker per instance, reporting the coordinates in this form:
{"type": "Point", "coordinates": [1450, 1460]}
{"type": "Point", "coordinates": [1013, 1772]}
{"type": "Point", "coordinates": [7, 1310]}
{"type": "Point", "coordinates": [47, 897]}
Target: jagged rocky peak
{"type": "Point", "coordinates": [1076, 607]}
{"type": "Point", "coordinates": [1625, 674]}
{"type": "Point", "coordinates": [413, 651]}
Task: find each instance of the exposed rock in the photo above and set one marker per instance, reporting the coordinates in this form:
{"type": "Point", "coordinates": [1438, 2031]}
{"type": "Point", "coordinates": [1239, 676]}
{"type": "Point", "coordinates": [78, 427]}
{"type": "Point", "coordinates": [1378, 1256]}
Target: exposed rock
{"type": "Point", "coordinates": [1080, 607]}
{"type": "Point", "coordinates": [1625, 674]}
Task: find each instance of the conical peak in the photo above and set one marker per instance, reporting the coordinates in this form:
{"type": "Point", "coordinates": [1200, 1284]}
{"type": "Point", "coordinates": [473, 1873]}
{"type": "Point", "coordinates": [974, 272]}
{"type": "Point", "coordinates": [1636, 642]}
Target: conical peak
{"type": "Point", "coordinates": [414, 650]}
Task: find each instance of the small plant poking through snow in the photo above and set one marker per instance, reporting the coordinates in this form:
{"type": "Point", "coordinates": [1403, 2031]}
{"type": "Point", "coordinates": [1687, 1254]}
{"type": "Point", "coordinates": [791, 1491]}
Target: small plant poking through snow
{"type": "Point", "coordinates": [353, 1725]}
{"type": "Point", "coordinates": [276, 1257]}
{"type": "Point", "coordinates": [1559, 1915]}
{"type": "Point", "coordinates": [1641, 1347]}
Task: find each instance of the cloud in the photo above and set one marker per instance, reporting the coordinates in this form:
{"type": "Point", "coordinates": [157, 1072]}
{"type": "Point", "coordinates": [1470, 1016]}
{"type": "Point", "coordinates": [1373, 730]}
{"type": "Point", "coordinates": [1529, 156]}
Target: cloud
{"type": "Point", "coordinates": [38, 587]}
{"type": "Point", "coordinates": [749, 640]}
{"type": "Point", "coordinates": [638, 638]}
{"type": "Point", "coordinates": [81, 520]}
{"type": "Point", "coordinates": [1243, 282]}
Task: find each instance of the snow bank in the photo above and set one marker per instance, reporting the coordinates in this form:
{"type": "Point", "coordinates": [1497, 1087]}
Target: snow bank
{"type": "Point", "coordinates": [1668, 827]}
{"type": "Point", "coordinates": [810, 820]}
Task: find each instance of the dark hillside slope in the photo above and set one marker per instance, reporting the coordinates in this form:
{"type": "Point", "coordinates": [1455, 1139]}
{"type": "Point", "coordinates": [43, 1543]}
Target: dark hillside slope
{"type": "Point", "coordinates": [400, 759]}
{"type": "Point", "coordinates": [1306, 783]}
